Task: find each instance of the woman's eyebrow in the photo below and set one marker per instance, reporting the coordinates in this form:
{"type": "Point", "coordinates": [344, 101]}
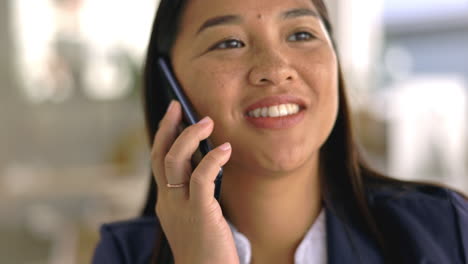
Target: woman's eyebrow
{"type": "Point", "coordinates": [236, 19]}
{"type": "Point", "coordinates": [220, 20]}
{"type": "Point", "coordinates": [299, 12]}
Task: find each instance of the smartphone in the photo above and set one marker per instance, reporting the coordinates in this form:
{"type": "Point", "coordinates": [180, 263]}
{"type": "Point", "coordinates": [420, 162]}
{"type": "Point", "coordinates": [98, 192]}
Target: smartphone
{"type": "Point", "coordinates": [189, 115]}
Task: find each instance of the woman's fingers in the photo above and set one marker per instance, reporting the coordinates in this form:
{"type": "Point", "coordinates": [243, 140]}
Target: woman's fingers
{"type": "Point", "coordinates": [177, 162]}
{"type": "Point", "coordinates": [165, 136]}
{"type": "Point", "coordinates": [182, 219]}
{"type": "Point", "coordinates": [172, 154]}
{"type": "Point", "coordinates": [203, 177]}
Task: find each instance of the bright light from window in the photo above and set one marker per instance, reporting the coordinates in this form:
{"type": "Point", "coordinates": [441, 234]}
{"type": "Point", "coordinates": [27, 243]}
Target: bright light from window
{"type": "Point", "coordinates": [70, 45]}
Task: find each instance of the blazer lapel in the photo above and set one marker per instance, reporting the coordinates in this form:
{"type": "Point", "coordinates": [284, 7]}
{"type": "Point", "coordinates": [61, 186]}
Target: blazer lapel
{"type": "Point", "coordinates": [345, 244]}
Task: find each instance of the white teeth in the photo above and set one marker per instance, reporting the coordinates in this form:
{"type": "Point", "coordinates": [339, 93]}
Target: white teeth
{"type": "Point", "coordinates": [257, 112]}
{"type": "Point", "coordinates": [264, 112]}
{"type": "Point", "coordinates": [283, 110]}
{"type": "Point", "coordinates": [275, 111]}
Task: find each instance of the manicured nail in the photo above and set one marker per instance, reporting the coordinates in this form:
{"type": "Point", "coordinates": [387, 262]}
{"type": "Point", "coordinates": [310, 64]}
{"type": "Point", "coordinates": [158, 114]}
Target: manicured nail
{"type": "Point", "coordinates": [170, 106]}
{"type": "Point", "coordinates": [204, 120]}
{"type": "Point", "coordinates": [226, 146]}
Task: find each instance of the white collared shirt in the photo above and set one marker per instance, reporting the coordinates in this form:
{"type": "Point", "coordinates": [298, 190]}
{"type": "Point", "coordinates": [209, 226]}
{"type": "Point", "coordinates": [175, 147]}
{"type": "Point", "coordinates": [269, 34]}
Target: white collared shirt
{"type": "Point", "coordinates": [311, 250]}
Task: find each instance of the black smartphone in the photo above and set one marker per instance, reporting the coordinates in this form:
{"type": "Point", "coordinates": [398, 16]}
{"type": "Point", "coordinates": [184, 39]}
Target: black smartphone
{"type": "Point", "coordinates": [189, 115]}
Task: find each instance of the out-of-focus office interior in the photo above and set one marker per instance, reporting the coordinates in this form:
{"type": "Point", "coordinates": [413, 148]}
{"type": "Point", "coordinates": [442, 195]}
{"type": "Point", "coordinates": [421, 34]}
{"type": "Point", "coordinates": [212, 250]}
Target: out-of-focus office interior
{"type": "Point", "coordinates": [74, 152]}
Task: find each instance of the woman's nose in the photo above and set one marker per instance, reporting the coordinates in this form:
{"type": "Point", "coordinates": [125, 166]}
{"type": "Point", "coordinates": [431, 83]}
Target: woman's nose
{"type": "Point", "coordinates": [271, 68]}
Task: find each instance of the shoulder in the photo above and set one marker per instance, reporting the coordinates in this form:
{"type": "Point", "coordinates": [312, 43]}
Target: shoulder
{"type": "Point", "coordinates": [411, 191]}
{"type": "Point", "coordinates": [129, 241]}
{"type": "Point", "coordinates": [140, 229]}
{"type": "Point", "coordinates": [409, 195]}
{"type": "Point", "coordinates": [423, 219]}
{"type": "Point", "coordinates": [418, 200]}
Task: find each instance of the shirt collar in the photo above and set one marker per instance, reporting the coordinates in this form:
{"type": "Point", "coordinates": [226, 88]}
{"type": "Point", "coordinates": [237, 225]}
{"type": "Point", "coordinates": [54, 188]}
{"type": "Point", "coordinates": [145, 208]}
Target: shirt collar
{"type": "Point", "coordinates": [312, 248]}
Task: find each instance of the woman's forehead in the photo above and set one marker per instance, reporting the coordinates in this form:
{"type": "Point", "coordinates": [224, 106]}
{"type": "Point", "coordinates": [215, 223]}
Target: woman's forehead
{"type": "Point", "coordinates": [198, 11]}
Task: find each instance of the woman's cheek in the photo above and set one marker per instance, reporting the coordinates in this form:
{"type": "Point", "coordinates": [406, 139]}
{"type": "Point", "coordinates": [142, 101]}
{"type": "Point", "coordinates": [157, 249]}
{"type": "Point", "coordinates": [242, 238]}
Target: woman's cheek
{"type": "Point", "coordinates": [198, 87]}
{"type": "Point", "coordinates": [205, 96]}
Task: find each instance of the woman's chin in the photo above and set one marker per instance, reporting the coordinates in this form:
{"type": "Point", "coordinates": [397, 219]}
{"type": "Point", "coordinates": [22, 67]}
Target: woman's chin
{"type": "Point", "coordinates": [283, 164]}
{"type": "Point", "coordinates": [274, 164]}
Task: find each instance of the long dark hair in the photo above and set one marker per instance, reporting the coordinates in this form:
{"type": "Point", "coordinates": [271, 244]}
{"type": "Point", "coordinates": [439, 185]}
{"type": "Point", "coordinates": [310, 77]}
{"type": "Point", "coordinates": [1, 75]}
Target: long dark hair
{"type": "Point", "coordinates": [343, 186]}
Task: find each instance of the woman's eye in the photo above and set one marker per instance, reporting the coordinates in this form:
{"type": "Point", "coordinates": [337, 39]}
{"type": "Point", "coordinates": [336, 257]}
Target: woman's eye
{"type": "Point", "coordinates": [300, 36]}
{"type": "Point", "coordinates": [229, 44]}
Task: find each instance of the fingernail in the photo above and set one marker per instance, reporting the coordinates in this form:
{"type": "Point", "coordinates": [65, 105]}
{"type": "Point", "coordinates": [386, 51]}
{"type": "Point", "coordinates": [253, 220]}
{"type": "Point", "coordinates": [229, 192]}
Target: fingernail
{"type": "Point", "coordinates": [170, 106]}
{"type": "Point", "coordinates": [204, 120]}
{"type": "Point", "coordinates": [226, 146]}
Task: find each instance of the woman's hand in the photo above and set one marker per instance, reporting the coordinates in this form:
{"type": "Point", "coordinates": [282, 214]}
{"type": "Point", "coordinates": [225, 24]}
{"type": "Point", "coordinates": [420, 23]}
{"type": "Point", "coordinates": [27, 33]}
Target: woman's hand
{"type": "Point", "coordinates": [190, 216]}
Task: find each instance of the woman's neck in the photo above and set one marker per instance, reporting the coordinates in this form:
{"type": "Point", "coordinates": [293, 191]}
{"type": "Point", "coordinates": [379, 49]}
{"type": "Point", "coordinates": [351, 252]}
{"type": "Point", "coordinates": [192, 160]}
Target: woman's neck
{"type": "Point", "coordinates": [273, 211]}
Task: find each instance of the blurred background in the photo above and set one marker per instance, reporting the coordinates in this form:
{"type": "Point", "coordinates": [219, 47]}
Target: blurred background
{"type": "Point", "coordinates": [74, 152]}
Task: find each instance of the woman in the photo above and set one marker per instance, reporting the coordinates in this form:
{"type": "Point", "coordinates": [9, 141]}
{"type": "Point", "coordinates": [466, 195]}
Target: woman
{"type": "Point", "coordinates": [295, 189]}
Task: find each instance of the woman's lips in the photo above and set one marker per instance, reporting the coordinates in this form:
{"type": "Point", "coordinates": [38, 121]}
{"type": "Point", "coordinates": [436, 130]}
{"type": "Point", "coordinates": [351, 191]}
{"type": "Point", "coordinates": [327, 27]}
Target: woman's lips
{"type": "Point", "coordinates": [281, 122]}
{"type": "Point", "coordinates": [276, 100]}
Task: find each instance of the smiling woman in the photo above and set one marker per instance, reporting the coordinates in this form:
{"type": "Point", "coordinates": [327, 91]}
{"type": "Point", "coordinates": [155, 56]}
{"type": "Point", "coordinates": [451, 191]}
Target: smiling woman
{"type": "Point", "coordinates": [266, 77]}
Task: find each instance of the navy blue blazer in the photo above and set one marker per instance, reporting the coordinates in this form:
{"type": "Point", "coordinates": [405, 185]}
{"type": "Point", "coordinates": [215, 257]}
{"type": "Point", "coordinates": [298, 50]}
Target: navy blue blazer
{"type": "Point", "coordinates": [429, 225]}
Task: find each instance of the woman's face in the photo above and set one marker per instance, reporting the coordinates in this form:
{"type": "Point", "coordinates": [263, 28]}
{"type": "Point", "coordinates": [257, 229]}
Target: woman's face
{"type": "Point", "coordinates": [229, 54]}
